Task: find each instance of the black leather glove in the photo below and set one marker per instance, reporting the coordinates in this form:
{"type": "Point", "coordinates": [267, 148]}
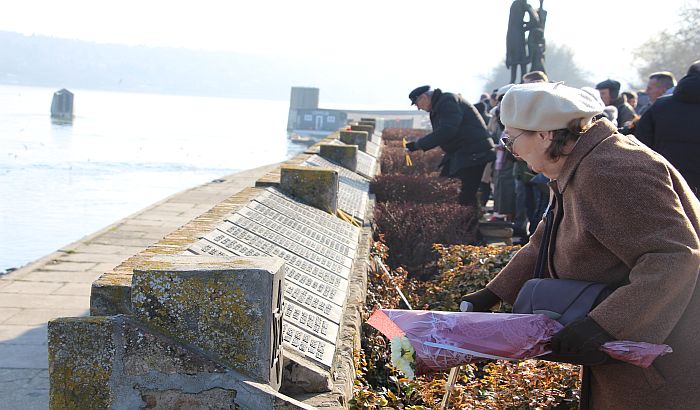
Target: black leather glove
{"type": "Point", "coordinates": [411, 146]}
{"type": "Point", "coordinates": [483, 300]}
{"type": "Point", "coordinates": [580, 336]}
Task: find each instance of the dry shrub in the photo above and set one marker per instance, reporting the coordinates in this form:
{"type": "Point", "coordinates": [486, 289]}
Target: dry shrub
{"type": "Point", "coordinates": [393, 161]}
{"type": "Point", "coordinates": [398, 134]}
{"type": "Point", "coordinates": [411, 229]}
{"type": "Point", "coordinates": [415, 188]}
{"type": "Point", "coordinates": [463, 269]}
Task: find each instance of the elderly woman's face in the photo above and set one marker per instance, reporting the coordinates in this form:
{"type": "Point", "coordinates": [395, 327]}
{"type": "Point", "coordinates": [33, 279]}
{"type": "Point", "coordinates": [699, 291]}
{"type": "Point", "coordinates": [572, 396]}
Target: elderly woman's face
{"type": "Point", "coordinates": [530, 146]}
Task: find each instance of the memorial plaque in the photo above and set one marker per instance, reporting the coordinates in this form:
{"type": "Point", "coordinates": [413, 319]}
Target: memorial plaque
{"type": "Point", "coordinates": [319, 161]}
{"type": "Point", "coordinates": [317, 233]}
{"type": "Point", "coordinates": [373, 149]}
{"type": "Point", "coordinates": [310, 346]}
{"type": "Point", "coordinates": [316, 319]}
{"type": "Point", "coordinates": [232, 231]}
{"type": "Point", "coordinates": [316, 216]}
{"type": "Point", "coordinates": [295, 235]}
{"type": "Point", "coordinates": [296, 293]}
{"type": "Point", "coordinates": [312, 323]}
{"type": "Point", "coordinates": [313, 302]}
{"type": "Point", "coordinates": [233, 246]}
{"type": "Point", "coordinates": [288, 244]}
{"type": "Point", "coordinates": [352, 191]}
{"type": "Point", "coordinates": [366, 164]}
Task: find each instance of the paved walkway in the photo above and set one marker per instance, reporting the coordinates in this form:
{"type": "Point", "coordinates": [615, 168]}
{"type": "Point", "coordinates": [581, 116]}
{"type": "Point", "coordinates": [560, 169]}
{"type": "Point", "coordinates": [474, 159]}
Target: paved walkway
{"type": "Point", "coordinates": [58, 284]}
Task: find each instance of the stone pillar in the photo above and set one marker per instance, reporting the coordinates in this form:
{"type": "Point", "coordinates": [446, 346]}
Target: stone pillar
{"type": "Point", "coordinates": [314, 186]}
{"type": "Point", "coordinates": [230, 309]}
{"type": "Point", "coordinates": [369, 129]}
{"type": "Point", "coordinates": [62, 105]}
{"type": "Point", "coordinates": [358, 138]}
{"type": "Point", "coordinates": [343, 155]}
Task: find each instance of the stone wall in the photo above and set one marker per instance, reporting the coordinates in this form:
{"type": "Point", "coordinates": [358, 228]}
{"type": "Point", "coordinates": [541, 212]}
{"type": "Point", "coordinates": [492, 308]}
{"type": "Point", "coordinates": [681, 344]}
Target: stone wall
{"type": "Point", "coordinates": [253, 304]}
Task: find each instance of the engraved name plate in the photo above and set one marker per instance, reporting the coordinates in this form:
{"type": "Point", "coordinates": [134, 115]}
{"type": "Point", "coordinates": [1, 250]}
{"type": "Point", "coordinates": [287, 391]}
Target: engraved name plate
{"type": "Point", "coordinates": [227, 245]}
{"type": "Point", "coordinates": [308, 345]}
{"type": "Point", "coordinates": [311, 322]}
{"type": "Point", "coordinates": [288, 244]}
{"type": "Point", "coordinates": [294, 235]}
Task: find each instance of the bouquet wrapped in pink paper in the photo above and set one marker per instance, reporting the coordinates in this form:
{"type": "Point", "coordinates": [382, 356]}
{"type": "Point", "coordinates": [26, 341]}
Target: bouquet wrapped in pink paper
{"type": "Point", "coordinates": [427, 341]}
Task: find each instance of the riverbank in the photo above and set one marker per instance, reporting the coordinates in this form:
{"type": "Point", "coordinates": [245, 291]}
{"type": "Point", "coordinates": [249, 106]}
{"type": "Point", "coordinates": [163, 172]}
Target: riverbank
{"type": "Point", "coordinates": [58, 285]}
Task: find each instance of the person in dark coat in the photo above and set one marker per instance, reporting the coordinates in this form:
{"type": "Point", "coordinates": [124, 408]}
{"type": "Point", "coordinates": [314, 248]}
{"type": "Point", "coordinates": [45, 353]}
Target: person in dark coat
{"type": "Point", "coordinates": [461, 133]}
{"type": "Point", "coordinates": [623, 216]}
{"type": "Point", "coordinates": [671, 127]}
{"type": "Point", "coordinates": [610, 94]}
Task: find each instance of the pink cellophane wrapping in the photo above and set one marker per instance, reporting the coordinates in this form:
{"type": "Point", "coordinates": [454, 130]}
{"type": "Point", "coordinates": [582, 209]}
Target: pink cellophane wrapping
{"type": "Point", "coordinates": [640, 354]}
{"type": "Point", "coordinates": [505, 335]}
{"type": "Point", "coordinates": [512, 336]}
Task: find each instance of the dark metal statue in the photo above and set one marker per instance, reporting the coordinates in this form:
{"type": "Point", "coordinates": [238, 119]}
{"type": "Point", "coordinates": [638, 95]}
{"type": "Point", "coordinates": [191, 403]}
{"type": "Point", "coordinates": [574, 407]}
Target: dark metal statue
{"type": "Point", "coordinates": [535, 39]}
{"type": "Point", "coordinates": [520, 52]}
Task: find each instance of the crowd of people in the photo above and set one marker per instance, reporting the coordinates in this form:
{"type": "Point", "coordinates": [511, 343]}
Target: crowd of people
{"type": "Point", "coordinates": [520, 195]}
{"type": "Point", "coordinates": [622, 179]}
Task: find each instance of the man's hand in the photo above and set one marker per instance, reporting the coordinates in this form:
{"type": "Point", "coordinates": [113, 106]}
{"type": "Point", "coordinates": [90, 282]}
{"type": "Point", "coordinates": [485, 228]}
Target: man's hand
{"type": "Point", "coordinates": [411, 146]}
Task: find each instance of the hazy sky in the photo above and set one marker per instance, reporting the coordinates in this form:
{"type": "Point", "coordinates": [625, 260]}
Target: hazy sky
{"type": "Point", "coordinates": [450, 44]}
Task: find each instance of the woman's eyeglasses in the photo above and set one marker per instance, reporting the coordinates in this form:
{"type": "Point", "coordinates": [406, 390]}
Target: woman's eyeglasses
{"type": "Point", "coordinates": [508, 141]}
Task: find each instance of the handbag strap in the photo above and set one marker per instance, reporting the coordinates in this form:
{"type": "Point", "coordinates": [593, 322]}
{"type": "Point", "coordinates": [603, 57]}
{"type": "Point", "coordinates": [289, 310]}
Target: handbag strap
{"type": "Point", "coordinates": [542, 257]}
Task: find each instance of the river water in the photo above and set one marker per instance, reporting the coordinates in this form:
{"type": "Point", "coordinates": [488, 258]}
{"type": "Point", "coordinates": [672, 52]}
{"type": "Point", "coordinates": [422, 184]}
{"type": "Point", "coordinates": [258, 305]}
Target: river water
{"type": "Point", "coordinates": [122, 152]}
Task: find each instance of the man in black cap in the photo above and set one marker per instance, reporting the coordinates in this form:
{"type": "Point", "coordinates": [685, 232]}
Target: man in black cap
{"type": "Point", "coordinates": [610, 94]}
{"type": "Point", "coordinates": [461, 133]}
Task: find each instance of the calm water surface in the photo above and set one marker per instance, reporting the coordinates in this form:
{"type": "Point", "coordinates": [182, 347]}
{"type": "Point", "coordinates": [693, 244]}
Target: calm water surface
{"type": "Point", "coordinates": [122, 152]}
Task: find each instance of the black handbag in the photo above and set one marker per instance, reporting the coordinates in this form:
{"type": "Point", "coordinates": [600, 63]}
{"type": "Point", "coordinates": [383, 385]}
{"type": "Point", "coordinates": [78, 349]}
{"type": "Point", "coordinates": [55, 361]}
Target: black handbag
{"type": "Point", "coordinates": [563, 300]}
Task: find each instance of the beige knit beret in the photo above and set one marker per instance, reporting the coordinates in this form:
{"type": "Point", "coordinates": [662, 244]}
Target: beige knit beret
{"type": "Point", "coordinates": [546, 106]}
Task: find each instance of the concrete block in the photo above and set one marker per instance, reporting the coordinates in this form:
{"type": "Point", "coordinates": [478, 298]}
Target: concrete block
{"type": "Point", "coordinates": [369, 129]}
{"type": "Point", "coordinates": [116, 362]}
{"type": "Point", "coordinates": [227, 308]}
{"type": "Point", "coordinates": [314, 186]}
{"type": "Point", "coordinates": [343, 155]}
{"type": "Point", "coordinates": [358, 138]}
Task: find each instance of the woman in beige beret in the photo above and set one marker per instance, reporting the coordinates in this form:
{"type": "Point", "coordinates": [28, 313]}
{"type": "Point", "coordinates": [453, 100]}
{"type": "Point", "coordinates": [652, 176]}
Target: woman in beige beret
{"type": "Point", "coordinates": [627, 219]}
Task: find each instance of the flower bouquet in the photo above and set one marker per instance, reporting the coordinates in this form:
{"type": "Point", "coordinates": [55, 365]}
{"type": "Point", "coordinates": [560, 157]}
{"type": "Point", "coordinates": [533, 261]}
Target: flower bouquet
{"type": "Point", "coordinates": [426, 341]}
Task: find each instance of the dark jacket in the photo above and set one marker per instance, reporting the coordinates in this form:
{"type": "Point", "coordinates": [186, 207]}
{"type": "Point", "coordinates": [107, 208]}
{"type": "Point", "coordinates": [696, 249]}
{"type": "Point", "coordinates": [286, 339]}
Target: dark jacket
{"type": "Point", "coordinates": [671, 127]}
{"type": "Point", "coordinates": [625, 112]}
{"type": "Point", "coordinates": [627, 218]}
{"type": "Point", "coordinates": [460, 131]}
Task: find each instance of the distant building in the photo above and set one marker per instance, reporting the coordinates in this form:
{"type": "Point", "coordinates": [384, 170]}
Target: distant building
{"type": "Point", "coordinates": [319, 120]}
{"type": "Point", "coordinates": [306, 117]}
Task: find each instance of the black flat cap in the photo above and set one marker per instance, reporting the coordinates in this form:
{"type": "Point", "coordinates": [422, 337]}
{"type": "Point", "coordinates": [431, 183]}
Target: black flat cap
{"type": "Point", "coordinates": [413, 96]}
{"type": "Point", "coordinates": [612, 85]}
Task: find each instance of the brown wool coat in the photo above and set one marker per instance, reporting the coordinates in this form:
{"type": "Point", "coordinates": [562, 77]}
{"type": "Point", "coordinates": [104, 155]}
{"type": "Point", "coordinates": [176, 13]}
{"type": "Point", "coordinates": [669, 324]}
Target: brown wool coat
{"type": "Point", "coordinates": [630, 218]}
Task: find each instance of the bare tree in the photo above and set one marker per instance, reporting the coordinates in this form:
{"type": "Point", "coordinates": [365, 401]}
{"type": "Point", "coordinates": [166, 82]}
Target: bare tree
{"type": "Point", "coordinates": [675, 49]}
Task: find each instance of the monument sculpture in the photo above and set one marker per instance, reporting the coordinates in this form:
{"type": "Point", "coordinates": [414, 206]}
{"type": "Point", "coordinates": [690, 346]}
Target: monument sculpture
{"type": "Point", "coordinates": [519, 51]}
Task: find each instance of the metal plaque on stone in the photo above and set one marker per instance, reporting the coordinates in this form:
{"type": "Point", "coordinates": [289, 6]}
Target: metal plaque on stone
{"type": "Point", "coordinates": [317, 160]}
{"type": "Point", "coordinates": [310, 346]}
{"type": "Point", "coordinates": [310, 322]}
{"type": "Point", "coordinates": [373, 149]}
{"type": "Point", "coordinates": [289, 244]}
{"type": "Point", "coordinates": [352, 190]}
{"type": "Point", "coordinates": [277, 200]}
{"type": "Point", "coordinates": [313, 302]}
{"type": "Point", "coordinates": [317, 233]}
{"type": "Point", "coordinates": [295, 235]}
{"type": "Point", "coordinates": [366, 164]}
{"type": "Point", "coordinates": [217, 241]}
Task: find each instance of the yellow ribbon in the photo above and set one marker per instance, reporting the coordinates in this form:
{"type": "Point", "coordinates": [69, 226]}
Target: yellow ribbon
{"type": "Point", "coordinates": [347, 218]}
{"type": "Point", "coordinates": [409, 163]}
